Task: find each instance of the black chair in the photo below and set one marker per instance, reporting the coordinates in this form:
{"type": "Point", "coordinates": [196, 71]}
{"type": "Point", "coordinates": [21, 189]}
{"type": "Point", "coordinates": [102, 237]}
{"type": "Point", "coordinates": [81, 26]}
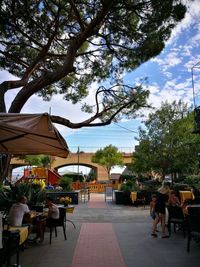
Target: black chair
{"type": "Point", "coordinates": [193, 225]}
{"type": "Point", "coordinates": [54, 223]}
{"type": "Point", "coordinates": [177, 218]}
{"type": "Point", "coordinates": [11, 241]}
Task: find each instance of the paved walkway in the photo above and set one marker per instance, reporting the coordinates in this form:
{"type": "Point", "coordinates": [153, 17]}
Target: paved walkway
{"type": "Point", "coordinates": [110, 235]}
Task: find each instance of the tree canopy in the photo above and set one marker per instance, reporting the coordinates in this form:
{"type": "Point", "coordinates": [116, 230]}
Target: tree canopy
{"type": "Point", "coordinates": [108, 157]}
{"type": "Point", "coordinates": [167, 144]}
{"type": "Point", "coordinates": [62, 47]}
{"type": "Point", "coordinates": [37, 160]}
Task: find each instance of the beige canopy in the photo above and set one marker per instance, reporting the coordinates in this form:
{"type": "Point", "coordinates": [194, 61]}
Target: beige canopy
{"type": "Point", "coordinates": [30, 134]}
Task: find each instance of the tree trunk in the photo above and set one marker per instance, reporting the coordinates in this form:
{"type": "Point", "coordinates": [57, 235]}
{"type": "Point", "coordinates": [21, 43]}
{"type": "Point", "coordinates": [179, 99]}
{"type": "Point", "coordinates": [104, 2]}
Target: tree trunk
{"type": "Point", "coordinates": [4, 166]}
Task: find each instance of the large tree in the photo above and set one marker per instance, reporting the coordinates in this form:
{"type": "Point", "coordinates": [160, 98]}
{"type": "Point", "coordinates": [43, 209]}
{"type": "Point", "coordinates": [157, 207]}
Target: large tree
{"type": "Point", "coordinates": [167, 144]}
{"type": "Point", "coordinates": [108, 157]}
{"type": "Point", "coordinates": [62, 47]}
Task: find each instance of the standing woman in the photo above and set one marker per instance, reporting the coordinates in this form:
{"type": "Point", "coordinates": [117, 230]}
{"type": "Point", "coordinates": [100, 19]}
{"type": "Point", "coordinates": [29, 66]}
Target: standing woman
{"type": "Point", "coordinates": [160, 209]}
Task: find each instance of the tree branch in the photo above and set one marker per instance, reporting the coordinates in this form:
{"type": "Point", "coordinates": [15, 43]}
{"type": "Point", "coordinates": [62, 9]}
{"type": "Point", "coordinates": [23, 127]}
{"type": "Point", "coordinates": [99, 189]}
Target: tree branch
{"type": "Point", "coordinates": [77, 14]}
{"type": "Point", "coordinates": [67, 67]}
{"type": "Point", "coordinates": [14, 58]}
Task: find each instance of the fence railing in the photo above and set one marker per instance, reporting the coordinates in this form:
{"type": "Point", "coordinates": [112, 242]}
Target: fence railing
{"type": "Point", "coordinates": [94, 187]}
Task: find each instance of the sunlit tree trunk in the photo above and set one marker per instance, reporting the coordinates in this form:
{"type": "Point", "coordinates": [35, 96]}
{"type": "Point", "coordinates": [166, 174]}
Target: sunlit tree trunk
{"type": "Point", "coordinates": [4, 166]}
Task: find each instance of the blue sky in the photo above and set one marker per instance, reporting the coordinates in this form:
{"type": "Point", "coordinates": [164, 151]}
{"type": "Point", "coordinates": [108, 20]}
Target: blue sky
{"type": "Point", "coordinates": [169, 78]}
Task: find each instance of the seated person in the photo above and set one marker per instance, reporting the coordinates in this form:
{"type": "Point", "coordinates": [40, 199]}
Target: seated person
{"type": "Point", "coordinates": [17, 212]}
{"type": "Point", "coordinates": [41, 223]}
{"type": "Point", "coordinates": [53, 212]}
{"type": "Point", "coordinates": [49, 186]}
{"type": "Point", "coordinates": [173, 200]}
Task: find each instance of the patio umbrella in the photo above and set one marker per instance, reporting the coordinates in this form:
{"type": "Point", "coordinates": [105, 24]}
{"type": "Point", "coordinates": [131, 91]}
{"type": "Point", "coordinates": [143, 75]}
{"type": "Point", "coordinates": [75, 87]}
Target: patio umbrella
{"type": "Point", "coordinates": [30, 134]}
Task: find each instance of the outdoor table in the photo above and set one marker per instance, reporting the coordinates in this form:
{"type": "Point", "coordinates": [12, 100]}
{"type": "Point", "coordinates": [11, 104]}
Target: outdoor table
{"type": "Point", "coordinates": [70, 209]}
{"type": "Point", "coordinates": [133, 196]}
{"type": "Point", "coordinates": [23, 232]}
{"type": "Point", "coordinates": [194, 205]}
{"type": "Point", "coordinates": [186, 195]}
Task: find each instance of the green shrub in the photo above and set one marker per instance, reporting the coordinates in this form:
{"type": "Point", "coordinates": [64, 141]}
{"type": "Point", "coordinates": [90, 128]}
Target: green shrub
{"type": "Point", "coordinates": [129, 185]}
{"type": "Point", "coordinates": [9, 195]}
{"type": "Point", "coordinates": [193, 180]}
{"type": "Point", "coordinates": [74, 177]}
{"type": "Point", "coordinates": [65, 182]}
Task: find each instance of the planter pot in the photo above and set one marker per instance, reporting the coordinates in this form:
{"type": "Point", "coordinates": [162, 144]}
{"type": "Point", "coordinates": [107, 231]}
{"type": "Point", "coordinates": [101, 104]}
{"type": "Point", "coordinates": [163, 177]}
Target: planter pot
{"type": "Point", "coordinates": [122, 198]}
{"type": "Point", "coordinates": [57, 195]}
{"type": "Point", "coordinates": [119, 197]}
{"type": "Point", "coordinates": [127, 197]}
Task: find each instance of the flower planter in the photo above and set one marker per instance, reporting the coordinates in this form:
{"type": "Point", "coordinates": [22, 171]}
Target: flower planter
{"type": "Point", "coordinates": [57, 195]}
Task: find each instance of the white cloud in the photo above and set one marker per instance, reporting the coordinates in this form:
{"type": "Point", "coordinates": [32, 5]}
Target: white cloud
{"type": "Point", "coordinates": [170, 60]}
{"type": "Point", "coordinates": [57, 106]}
{"type": "Point", "coordinates": [192, 16]}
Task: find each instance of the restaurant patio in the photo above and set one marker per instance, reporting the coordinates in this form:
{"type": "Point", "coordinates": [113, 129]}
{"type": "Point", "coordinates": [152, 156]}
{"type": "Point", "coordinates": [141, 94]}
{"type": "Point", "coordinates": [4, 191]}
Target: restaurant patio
{"type": "Point", "coordinates": [111, 235]}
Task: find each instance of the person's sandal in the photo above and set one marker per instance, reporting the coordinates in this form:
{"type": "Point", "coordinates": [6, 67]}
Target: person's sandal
{"type": "Point", "coordinates": [165, 236]}
{"type": "Point", "coordinates": [154, 235]}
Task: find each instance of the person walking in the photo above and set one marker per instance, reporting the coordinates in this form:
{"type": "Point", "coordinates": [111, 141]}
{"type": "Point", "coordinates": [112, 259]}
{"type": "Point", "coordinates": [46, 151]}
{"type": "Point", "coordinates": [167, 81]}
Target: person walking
{"type": "Point", "coordinates": [160, 210]}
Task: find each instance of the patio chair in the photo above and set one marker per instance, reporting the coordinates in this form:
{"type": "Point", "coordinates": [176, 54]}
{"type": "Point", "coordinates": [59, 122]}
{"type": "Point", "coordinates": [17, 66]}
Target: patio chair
{"type": "Point", "coordinates": [193, 225]}
{"type": "Point", "coordinates": [60, 222]}
{"type": "Point", "coordinates": [177, 218]}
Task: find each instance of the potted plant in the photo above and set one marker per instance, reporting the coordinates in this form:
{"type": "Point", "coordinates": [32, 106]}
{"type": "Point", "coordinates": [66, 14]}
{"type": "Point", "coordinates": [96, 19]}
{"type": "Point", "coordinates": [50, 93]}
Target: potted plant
{"type": "Point", "coordinates": [65, 184]}
{"type": "Point", "coordinates": [123, 195]}
{"type": "Point", "coordinates": [65, 200]}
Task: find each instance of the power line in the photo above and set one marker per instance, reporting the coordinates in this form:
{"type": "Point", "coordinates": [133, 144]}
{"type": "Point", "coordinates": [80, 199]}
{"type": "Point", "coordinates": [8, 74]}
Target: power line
{"type": "Point", "coordinates": [125, 128]}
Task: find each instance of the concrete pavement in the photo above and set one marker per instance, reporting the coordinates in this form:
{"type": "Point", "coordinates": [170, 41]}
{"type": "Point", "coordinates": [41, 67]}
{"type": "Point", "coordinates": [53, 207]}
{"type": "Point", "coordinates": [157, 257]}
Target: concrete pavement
{"type": "Point", "coordinates": [112, 235]}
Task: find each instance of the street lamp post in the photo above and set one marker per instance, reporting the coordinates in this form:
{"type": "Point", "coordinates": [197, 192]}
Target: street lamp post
{"type": "Point", "coordinates": [78, 154]}
{"type": "Point", "coordinates": [196, 108]}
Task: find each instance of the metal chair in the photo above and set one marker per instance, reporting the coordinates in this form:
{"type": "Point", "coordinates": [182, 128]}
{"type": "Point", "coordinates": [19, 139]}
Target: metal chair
{"type": "Point", "coordinates": [11, 240]}
{"type": "Point", "coordinates": [60, 222]}
{"type": "Point", "coordinates": [176, 217]}
{"type": "Point", "coordinates": [193, 225]}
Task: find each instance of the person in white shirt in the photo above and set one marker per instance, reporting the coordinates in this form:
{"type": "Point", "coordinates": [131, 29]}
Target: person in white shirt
{"type": "Point", "coordinates": [17, 212]}
{"type": "Point", "coordinates": [53, 212]}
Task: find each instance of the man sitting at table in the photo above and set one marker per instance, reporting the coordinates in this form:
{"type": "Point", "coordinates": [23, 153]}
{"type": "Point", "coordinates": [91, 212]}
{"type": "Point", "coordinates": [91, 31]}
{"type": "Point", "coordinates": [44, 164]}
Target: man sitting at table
{"type": "Point", "coordinates": [17, 212]}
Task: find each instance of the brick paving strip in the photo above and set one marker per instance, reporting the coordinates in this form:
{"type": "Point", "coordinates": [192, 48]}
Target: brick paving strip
{"type": "Point", "coordinates": [97, 246]}
{"type": "Point", "coordinates": [97, 202]}
{"type": "Point", "coordinates": [97, 205]}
